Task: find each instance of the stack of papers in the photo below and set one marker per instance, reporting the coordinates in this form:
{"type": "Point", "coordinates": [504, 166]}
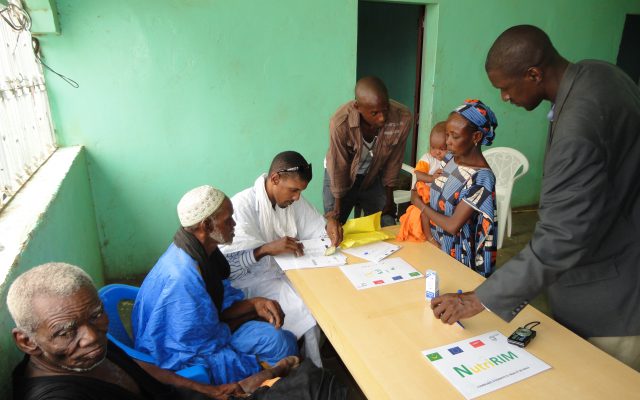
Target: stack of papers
{"type": "Point", "coordinates": [314, 250]}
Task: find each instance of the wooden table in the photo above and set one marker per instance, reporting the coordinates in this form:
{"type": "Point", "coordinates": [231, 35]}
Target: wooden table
{"type": "Point", "coordinates": [380, 332]}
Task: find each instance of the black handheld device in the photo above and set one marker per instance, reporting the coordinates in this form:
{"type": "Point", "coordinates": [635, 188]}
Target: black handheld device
{"type": "Point", "coordinates": [523, 335]}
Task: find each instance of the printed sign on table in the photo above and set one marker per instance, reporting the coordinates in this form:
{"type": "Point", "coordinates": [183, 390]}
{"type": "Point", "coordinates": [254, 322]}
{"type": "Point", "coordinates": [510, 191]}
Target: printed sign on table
{"type": "Point", "coordinates": [377, 251]}
{"type": "Point", "coordinates": [484, 363]}
{"type": "Point", "coordinates": [385, 272]}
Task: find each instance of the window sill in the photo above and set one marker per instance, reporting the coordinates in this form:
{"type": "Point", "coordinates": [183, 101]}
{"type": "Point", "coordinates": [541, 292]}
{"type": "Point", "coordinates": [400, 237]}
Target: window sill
{"type": "Point", "coordinates": [26, 210]}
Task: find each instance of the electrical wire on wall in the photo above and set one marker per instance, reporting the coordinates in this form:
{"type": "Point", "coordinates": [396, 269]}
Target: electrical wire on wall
{"type": "Point", "coordinates": [36, 51]}
{"type": "Point", "coordinates": [20, 21]}
{"type": "Point", "coordinates": [16, 17]}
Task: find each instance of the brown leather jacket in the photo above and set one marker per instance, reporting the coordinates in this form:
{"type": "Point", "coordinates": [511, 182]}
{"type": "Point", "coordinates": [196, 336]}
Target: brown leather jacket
{"type": "Point", "coordinates": [345, 148]}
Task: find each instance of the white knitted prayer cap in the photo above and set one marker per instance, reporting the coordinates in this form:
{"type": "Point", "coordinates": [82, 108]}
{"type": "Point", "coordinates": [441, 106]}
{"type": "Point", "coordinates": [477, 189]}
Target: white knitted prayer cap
{"type": "Point", "coordinates": [198, 204]}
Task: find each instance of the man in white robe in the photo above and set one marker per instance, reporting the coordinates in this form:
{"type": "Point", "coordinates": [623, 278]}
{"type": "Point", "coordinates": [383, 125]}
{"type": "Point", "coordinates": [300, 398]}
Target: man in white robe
{"type": "Point", "coordinates": [271, 217]}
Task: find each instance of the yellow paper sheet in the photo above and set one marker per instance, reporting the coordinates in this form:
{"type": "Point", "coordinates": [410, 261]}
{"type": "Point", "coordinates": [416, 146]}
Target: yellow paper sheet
{"type": "Point", "coordinates": [363, 230]}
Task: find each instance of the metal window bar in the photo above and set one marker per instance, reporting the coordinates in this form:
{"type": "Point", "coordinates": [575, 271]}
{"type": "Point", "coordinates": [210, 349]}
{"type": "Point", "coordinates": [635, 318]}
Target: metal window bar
{"type": "Point", "coordinates": [26, 129]}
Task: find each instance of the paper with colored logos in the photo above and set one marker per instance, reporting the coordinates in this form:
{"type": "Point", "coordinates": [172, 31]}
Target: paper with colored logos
{"type": "Point", "coordinates": [314, 256]}
{"type": "Point", "coordinates": [385, 272]}
{"type": "Point", "coordinates": [484, 363]}
{"type": "Point", "coordinates": [373, 251]}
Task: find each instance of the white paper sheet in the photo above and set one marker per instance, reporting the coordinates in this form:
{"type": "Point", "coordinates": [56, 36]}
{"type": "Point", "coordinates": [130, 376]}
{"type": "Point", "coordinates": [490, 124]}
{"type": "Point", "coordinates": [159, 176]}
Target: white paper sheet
{"type": "Point", "coordinates": [483, 363]}
{"type": "Point", "coordinates": [385, 272]}
{"type": "Point", "coordinates": [373, 251]}
{"type": "Point", "coordinates": [313, 256]}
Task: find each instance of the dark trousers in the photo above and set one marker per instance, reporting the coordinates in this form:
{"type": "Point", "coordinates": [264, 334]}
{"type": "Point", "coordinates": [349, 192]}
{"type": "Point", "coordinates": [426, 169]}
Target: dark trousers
{"type": "Point", "coordinates": [369, 200]}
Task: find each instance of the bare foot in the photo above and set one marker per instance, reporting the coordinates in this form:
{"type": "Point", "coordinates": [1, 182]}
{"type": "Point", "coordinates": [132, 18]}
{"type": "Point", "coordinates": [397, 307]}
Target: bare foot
{"type": "Point", "coordinates": [282, 368]}
{"type": "Point", "coordinates": [287, 364]}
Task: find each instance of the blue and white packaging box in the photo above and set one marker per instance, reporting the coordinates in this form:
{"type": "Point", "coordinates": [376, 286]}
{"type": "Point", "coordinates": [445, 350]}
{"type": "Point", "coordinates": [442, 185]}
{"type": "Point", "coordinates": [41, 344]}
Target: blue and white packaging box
{"type": "Point", "coordinates": [432, 285]}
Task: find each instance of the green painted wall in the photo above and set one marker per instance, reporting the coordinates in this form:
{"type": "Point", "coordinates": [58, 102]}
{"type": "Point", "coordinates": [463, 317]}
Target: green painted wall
{"type": "Point", "coordinates": [44, 16]}
{"type": "Point", "coordinates": [66, 232]}
{"type": "Point", "coordinates": [387, 48]}
{"type": "Point", "coordinates": [178, 93]}
{"type": "Point", "coordinates": [174, 94]}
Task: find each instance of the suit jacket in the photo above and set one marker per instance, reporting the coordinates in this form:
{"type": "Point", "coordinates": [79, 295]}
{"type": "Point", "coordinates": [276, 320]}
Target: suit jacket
{"type": "Point", "coordinates": [585, 248]}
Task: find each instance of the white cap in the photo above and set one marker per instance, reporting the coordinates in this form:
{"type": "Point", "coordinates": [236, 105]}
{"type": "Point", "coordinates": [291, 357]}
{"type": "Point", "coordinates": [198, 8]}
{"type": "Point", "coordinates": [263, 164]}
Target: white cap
{"type": "Point", "coordinates": [198, 204]}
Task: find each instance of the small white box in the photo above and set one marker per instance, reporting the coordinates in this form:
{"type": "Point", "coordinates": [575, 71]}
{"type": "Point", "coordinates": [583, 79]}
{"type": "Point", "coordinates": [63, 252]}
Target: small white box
{"type": "Point", "coordinates": [432, 285]}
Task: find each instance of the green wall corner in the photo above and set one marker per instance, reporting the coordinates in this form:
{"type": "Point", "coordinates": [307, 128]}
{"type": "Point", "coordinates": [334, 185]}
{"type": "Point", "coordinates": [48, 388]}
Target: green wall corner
{"type": "Point", "coordinates": [66, 232]}
{"type": "Point", "coordinates": [44, 16]}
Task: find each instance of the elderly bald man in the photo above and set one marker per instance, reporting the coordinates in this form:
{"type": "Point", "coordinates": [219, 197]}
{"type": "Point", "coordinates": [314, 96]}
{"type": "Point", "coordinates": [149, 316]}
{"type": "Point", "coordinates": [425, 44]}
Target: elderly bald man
{"type": "Point", "coordinates": [187, 312]}
{"type": "Point", "coordinates": [584, 250]}
{"type": "Point", "coordinates": [62, 329]}
{"type": "Point", "coordinates": [367, 138]}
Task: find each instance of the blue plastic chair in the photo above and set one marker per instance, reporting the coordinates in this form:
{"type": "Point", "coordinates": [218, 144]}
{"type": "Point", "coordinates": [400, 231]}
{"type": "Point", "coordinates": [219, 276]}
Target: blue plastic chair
{"type": "Point", "coordinates": [111, 296]}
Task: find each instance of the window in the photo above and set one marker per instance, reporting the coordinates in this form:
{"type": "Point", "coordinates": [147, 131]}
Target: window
{"type": "Point", "coordinates": [26, 130]}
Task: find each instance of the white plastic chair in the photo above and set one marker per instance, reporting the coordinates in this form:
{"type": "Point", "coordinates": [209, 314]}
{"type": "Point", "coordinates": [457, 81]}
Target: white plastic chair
{"type": "Point", "coordinates": [404, 196]}
{"type": "Point", "coordinates": [505, 163]}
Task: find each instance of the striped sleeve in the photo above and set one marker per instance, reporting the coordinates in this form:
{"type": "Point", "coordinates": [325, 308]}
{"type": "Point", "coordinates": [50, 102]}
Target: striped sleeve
{"type": "Point", "coordinates": [240, 262]}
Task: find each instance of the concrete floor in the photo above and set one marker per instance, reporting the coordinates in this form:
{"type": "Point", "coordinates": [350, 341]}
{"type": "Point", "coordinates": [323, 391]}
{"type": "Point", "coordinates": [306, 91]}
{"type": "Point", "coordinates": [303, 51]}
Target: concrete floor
{"type": "Point", "coordinates": [524, 221]}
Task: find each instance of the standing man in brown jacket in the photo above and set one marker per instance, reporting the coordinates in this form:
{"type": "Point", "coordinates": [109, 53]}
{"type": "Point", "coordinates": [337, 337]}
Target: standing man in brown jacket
{"type": "Point", "coordinates": [367, 139]}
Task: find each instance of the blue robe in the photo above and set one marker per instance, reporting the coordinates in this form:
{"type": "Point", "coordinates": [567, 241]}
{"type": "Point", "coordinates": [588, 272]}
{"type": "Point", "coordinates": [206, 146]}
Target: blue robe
{"type": "Point", "coordinates": [175, 320]}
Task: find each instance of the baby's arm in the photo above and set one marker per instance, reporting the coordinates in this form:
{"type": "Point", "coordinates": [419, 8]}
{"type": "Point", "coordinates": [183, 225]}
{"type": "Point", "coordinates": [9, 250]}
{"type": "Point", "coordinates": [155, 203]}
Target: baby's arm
{"type": "Point", "coordinates": [425, 177]}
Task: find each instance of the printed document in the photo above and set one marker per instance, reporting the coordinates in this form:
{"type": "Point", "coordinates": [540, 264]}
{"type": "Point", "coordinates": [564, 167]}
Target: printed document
{"type": "Point", "coordinates": [373, 251]}
{"type": "Point", "coordinates": [314, 250]}
{"type": "Point", "coordinates": [385, 272]}
{"type": "Point", "coordinates": [484, 363]}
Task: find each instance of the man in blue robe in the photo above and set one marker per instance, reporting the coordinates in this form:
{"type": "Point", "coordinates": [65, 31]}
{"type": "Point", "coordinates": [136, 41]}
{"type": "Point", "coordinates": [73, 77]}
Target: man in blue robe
{"type": "Point", "coordinates": [187, 313]}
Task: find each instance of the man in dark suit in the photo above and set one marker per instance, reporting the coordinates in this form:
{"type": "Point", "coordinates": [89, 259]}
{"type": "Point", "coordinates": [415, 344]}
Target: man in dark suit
{"type": "Point", "coordinates": [584, 250]}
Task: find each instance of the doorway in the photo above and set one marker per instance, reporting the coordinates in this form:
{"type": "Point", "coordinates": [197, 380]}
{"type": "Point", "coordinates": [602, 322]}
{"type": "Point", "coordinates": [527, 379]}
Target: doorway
{"type": "Point", "coordinates": [629, 51]}
{"type": "Point", "coordinates": [390, 47]}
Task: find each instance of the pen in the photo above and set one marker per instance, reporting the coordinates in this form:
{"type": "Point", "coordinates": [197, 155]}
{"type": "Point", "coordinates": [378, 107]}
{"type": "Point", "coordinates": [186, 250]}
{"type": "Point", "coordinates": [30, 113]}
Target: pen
{"type": "Point", "coordinates": [458, 322]}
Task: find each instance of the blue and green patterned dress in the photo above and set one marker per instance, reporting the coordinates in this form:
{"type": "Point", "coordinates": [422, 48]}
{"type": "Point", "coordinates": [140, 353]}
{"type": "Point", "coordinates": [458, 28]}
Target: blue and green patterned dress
{"type": "Point", "coordinates": [475, 244]}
